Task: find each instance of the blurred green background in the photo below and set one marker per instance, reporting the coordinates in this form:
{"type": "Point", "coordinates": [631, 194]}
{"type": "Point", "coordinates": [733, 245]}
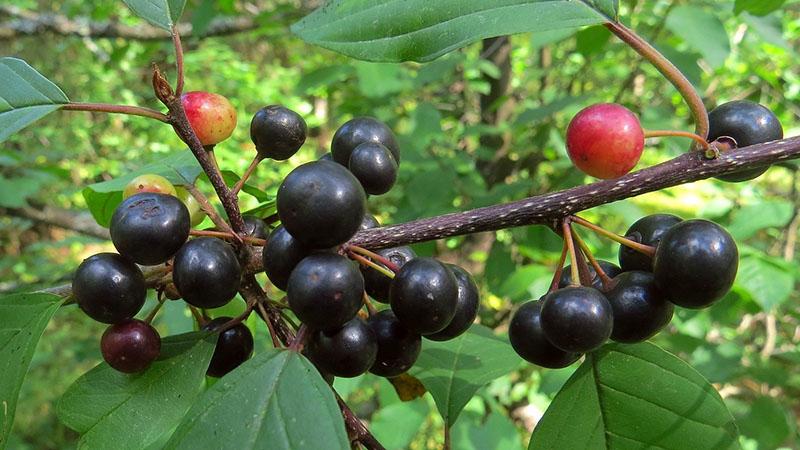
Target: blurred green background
{"type": "Point", "coordinates": [478, 126]}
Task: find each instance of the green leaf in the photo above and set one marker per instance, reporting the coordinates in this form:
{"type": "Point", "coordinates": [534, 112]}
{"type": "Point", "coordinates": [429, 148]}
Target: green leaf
{"type": "Point", "coordinates": [232, 178]}
{"type": "Point", "coordinates": [161, 13]}
{"type": "Point", "coordinates": [15, 191]}
{"type": "Point", "coordinates": [496, 432]}
{"type": "Point", "coordinates": [454, 370]}
{"type": "Point", "coordinates": [752, 218]}
{"type": "Point", "coordinates": [769, 283]}
{"type": "Point", "coordinates": [420, 30]}
{"type": "Point", "coordinates": [24, 317]}
{"type": "Point", "coordinates": [131, 411]}
{"type": "Point", "coordinates": [702, 31]}
{"type": "Point", "coordinates": [180, 168]}
{"type": "Point", "coordinates": [276, 400]}
{"type": "Point", "coordinates": [757, 7]}
{"type": "Point", "coordinates": [396, 425]}
{"type": "Point", "coordinates": [635, 396]}
{"type": "Point", "coordinates": [767, 423]}
{"type": "Point", "coordinates": [25, 96]}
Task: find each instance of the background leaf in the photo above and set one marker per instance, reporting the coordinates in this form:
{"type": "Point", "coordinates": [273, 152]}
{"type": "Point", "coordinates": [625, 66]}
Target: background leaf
{"type": "Point", "coordinates": [24, 317]}
{"type": "Point", "coordinates": [757, 7]}
{"type": "Point", "coordinates": [161, 13]}
{"type": "Point", "coordinates": [768, 281]}
{"type": "Point", "coordinates": [454, 370]}
{"type": "Point", "coordinates": [702, 31]}
{"type": "Point", "coordinates": [419, 30]}
{"type": "Point", "coordinates": [179, 168]}
{"type": "Point", "coordinates": [25, 96]}
{"type": "Point", "coordinates": [131, 411]}
{"type": "Point", "coordinates": [752, 218]}
{"type": "Point", "coordinates": [635, 396]}
{"type": "Point", "coordinates": [265, 403]}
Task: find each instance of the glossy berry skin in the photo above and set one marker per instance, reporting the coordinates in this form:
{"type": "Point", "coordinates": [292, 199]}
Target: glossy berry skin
{"type": "Point", "coordinates": [206, 272]}
{"type": "Point", "coordinates": [374, 166]}
{"type": "Point", "coordinates": [359, 130]}
{"type": "Point", "coordinates": [321, 204]}
{"type": "Point", "coordinates": [640, 309]}
{"type": "Point", "coordinates": [211, 116]}
{"type": "Point", "coordinates": [609, 268]}
{"type": "Point", "coordinates": [281, 255]}
{"type": "Point", "coordinates": [398, 348]}
{"type": "Point", "coordinates": [109, 288]}
{"type": "Point", "coordinates": [130, 346]}
{"type": "Point", "coordinates": [325, 291]}
{"type": "Point", "coordinates": [369, 221]}
{"type": "Point", "coordinates": [605, 140]}
{"type": "Point", "coordinates": [148, 183]}
{"type": "Point", "coordinates": [577, 319]}
{"type": "Point", "coordinates": [277, 132]}
{"type": "Point", "coordinates": [648, 231]}
{"type": "Point", "coordinates": [748, 123]}
{"type": "Point", "coordinates": [234, 346]}
{"type": "Point", "coordinates": [255, 227]}
{"type": "Point", "coordinates": [149, 228]}
{"type": "Point", "coordinates": [378, 284]}
{"type": "Point", "coordinates": [345, 352]}
{"type": "Point", "coordinates": [196, 213]}
{"type": "Point", "coordinates": [528, 340]}
{"type": "Point", "coordinates": [424, 295]}
{"type": "Point", "coordinates": [466, 306]}
{"type": "Point", "coordinates": [695, 263]}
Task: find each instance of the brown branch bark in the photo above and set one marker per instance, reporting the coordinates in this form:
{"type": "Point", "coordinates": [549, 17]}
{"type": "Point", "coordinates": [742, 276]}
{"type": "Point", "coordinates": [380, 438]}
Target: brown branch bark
{"type": "Point", "coordinates": [29, 23]}
{"type": "Point", "coordinates": [83, 223]}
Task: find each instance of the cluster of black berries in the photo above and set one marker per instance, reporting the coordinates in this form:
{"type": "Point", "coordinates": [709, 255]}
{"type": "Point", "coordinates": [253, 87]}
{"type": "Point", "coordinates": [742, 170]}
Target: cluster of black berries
{"type": "Point", "coordinates": [321, 205]}
{"type": "Point", "coordinates": [695, 264]}
{"type": "Point", "coordinates": [151, 227]}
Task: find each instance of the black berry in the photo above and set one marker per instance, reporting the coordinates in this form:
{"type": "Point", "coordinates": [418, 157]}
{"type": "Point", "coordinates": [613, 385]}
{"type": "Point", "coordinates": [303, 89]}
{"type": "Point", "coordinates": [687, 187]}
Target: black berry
{"type": "Point", "coordinates": [376, 283]}
{"type": "Point", "coordinates": [325, 290]}
{"type": "Point", "coordinates": [609, 268]}
{"type": "Point", "coordinates": [640, 309]}
{"type": "Point", "coordinates": [648, 231]}
{"type": "Point", "coordinates": [206, 272]}
{"type": "Point", "coordinates": [695, 263]}
{"type": "Point", "coordinates": [346, 352]}
{"type": "Point", "coordinates": [374, 166]}
{"type": "Point", "coordinates": [398, 348]}
{"type": "Point", "coordinates": [277, 132]}
{"type": "Point", "coordinates": [149, 228]}
{"type": "Point", "coordinates": [321, 204]}
{"type": "Point", "coordinates": [255, 227]}
{"type": "Point", "coordinates": [234, 346]}
{"type": "Point", "coordinates": [577, 319]}
{"type": "Point", "coordinates": [528, 339]}
{"type": "Point", "coordinates": [130, 346]}
{"type": "Point", "coordinates": [466, 306]}
{"type": "Point", "coordinates": [109, 288]}
{"type": "Point", "coordinates": [423, 295]}
{"type": "Point", "coordinates": [281, 255]}
{"type": "Point", "coordinates": [369, 221]}
{"type": "Point", "coordinates": [748, 123]}
{"type": "Point", "coordinates": [359, 130]}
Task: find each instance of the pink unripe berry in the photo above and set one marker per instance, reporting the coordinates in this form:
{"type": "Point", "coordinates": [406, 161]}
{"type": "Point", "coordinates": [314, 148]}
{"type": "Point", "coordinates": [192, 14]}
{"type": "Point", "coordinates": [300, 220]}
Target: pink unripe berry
{"type": "Point", "coordinates": [211, 116]}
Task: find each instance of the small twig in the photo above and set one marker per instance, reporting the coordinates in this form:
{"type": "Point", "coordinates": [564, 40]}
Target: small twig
{"type": "Point", "coordinates": [299, 339]}
{"type": "Point", "coordinates": [604, 278]}
{"type": "Point", "coordinates": [641, 248]}
{"type": "Point", "coordinates": [250, 169]}
{"type": "Point", "coordinates": [447, 443]}
{"type": "Point", "coordinates": [566, 231]}
{"type": "Point", "coordinates": [263, 313]}
{"type": "Point", "coordinates": [117, 109]}
{"type": "Point", "coordinates": [206, 206]}
{"type": "Point", "coordinates": [365, 262]}
{"type": "Point", "coordinates": [176, 40]}
{"type": "Point", "coordinates": [238, 319]}
{"type": "Point", "coordinates": [355, 428]}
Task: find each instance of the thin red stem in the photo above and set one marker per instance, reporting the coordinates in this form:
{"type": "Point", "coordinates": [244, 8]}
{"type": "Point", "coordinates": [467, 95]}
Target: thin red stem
{"type": "Point", "coordinates": [674, 133]}
{"type": "Point", "coordinates": [370, 307]}
{"type": "Point", "coordinates": [117, 109]}
{"type": "Point", "coordinates": [263, 313]}
{"type": "Point", "coordinates": [641, 248]}
{"type": "Point", "coordinates": [604, 278]}
{"type": "Point", "coordinates": [365, 262]}
{"type": "Point", "coordinates": [250, 169]}
{"type": "Point", "coordinates": [176, 40]}
{"type": "Point", "coordinates": [299, 339]}
{"type": "Point", "coordinates": [372, 255]}
{"type": "Point", "coordinates": [574, 272]}
{"type": "Point", "coordinates": [557, 274]}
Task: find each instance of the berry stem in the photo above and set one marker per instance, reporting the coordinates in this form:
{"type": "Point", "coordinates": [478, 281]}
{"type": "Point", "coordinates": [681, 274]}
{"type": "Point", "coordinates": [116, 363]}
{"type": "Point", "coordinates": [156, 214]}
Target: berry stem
{"type": "Point", "coordinates": [197, 316]}
{"type": "Point", "coordinates": [566, 231]}
{"type": "Point", "coordinates": [370, 307]}
{"type": "Point", "coordinates": [117, 109]}
{"type": "Point", "coordinates": [152, 314]}
{"type": "Point", "coordinates": [250, 169]}
{"type": "Point", "coordinates": [176, 41]}
{"type": "Point", "coordinates": [238, 319]}
{"type": "Point", "coordinates": [206, 206]}
{"type": "Point", "coordinates": [229, 235]}
{"type": "Point", "coordinates": [372, 255]}
{"type": "Point", "coordinates": [559, 269]}
{"type": "Point", "coordinates": [675, 133]}
{"type": "Point", "coordinates": [263, 313]}
{"type": "Point", "coordinates": [675, 76]}
{"type": "Point", "coordinates": [447, 443]}
{"type": "Point", "coordinates": [299, 339]}
{"type": "Point", "coordinates": [604, 278]}
{"type": "Point", "coordinates": [641, 248]}
{"type": "Point", "coordinates": [356, 429]}
{"type": "Point", "coordinates": [365, 262]}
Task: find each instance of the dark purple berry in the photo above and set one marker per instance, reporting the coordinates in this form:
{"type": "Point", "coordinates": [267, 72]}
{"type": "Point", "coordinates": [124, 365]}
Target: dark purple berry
{"type": "Point", "coordinates": [130, 346]}
{"type": "Point", "coordinates": [376, 283]}
{"type": "Point", "coordinates": [277, 132]}
{"type": "Point", "coordinates": [648, 231]}
{"type": "Point", "coordinates": [424, 295]}
{"type": "Point", "coordinates": [345, 352]}
{"type": "Point", "coordinates": [577, 319]}
{"type": "Point", "coordinates": [466, 306]}
{"type": "Point", "coordinates": [206, 272]}
{"type": "Point", "coordinates": [148, 228]}
{"type": "Point", "coordinates": [528, 339]}
{"type": "Point", "coordinates": [358, 131]}
{"type": "Point", "coordinates": [234, 347]}
{"type": "Point", "coordinates": [281, 255]}
{"type": "Point", "coordinates": [374, 166]}
{"type": "Point", "coordinates": [398, 348]}
{"type": "Point", "coordinates": [109, 288]}
{"type": "Point", "coordinates": [609, 268]}
{"type": "Point", "coordinates": [640, 308]}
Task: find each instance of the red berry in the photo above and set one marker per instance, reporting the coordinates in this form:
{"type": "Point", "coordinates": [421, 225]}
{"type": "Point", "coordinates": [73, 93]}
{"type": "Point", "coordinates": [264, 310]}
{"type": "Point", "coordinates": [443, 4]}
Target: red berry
{"type": "Point", "coordinates": [605, 140]}
{"type": "Point", "coordinates": [211, 116]}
